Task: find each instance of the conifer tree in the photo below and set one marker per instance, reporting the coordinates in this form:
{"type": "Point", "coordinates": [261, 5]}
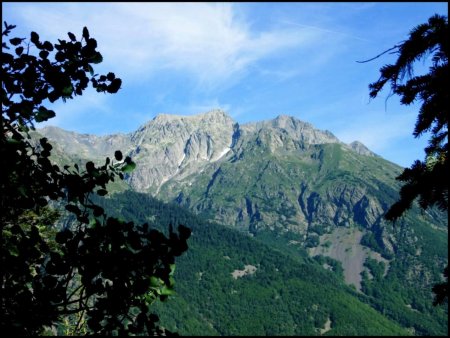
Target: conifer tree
{"type": "Point", "coordinates": [426, 180]}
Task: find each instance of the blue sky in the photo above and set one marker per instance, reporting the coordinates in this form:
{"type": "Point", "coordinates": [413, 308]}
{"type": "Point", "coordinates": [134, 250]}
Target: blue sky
{"type": "Point", "coordinates": [254, 60]}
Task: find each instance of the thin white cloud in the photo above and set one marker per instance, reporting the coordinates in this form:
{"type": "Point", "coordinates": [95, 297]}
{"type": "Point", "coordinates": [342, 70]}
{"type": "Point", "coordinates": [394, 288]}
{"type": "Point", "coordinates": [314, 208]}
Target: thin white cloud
{"type": "Point", "coordinates": [207, 41]}
{"type": "Point", "coordinates": [334, 32]}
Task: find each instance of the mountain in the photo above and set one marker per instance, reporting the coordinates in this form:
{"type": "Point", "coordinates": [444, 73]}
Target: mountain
{"type": "Point", "coordinates": [295, 188]}
{"type": "Point", "coordinates": [193, 158]}
{"type": "Point", "coordinates": [171, 147]}
{"type": "Point", "coordinates": [228, 283]}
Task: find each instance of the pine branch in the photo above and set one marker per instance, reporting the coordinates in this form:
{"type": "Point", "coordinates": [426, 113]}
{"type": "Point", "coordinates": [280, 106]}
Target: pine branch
{"type": "Point", "coordinates": [376, 57]}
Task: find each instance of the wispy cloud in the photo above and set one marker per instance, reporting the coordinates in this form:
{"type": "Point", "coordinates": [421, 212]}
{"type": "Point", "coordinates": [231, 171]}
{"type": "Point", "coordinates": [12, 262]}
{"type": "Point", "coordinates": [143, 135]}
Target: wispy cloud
{"type": "Point", "coordinates": [207, 41]}
{"type": "Point", "coordinates": [253, 59]}
{"type": "Point", "coordinates": [325, 30]}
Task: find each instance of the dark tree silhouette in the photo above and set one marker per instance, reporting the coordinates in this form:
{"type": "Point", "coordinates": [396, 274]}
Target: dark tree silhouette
{"type": "Point", "coordinates": [99, 273]}
{"type": "Point", "coordinates": [426, 180]}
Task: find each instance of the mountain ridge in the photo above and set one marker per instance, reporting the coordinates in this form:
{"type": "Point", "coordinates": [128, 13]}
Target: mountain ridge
{"type": "Point", "coordinates": [290, 185]}
{"type": "Point", "coordinates": [212, 116]}
{"type": "Point", "coordinates": [196, 160]}
{"type": "Point", "coordinates": [187, 139]}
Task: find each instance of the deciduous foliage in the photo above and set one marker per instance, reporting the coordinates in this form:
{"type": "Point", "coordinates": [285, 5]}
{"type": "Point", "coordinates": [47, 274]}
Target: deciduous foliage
{"type": "Point", "coordinates": [425, 180]}
{"type": "Point", "coordinates": [98, 272]}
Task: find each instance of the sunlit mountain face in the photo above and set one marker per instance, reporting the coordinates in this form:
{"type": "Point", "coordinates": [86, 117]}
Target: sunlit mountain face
{"type": "Point", "coordinates": [287, 222]}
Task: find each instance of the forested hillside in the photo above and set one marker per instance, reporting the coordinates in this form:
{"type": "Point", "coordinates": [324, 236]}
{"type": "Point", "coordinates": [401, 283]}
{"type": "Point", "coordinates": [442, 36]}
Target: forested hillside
{"type": "Point", "coordinates": [277, 293]}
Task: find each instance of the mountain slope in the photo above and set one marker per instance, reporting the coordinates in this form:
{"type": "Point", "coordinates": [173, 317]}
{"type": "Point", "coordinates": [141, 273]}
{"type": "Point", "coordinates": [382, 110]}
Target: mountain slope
{"type": "Point", "coordinates": [197, 159]}
{"type": "Point", "coordinates": [297, 189]}
{"type": "Point", "coordinates": [230, 284]}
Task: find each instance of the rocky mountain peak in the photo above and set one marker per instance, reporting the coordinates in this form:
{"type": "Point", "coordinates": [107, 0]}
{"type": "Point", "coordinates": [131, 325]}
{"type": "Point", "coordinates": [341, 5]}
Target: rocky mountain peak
{"type": "Point", "coordinates": [361, 149]}
{"type": "Point", "coordinates": [295, 129]}
{"type": "Point", "coordinates": [174, 145]}
{"type": "Point", "coordinates": [286, 121]}
{"type": "Point", "coordinates": [212, 116]}
{"type": "Point", "coordinates": [171, 147]}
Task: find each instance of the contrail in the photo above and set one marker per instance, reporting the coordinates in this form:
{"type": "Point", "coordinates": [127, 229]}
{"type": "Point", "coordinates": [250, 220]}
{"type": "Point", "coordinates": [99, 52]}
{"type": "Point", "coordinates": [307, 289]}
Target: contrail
{"type": "Point", "coordinates": [324, 30]}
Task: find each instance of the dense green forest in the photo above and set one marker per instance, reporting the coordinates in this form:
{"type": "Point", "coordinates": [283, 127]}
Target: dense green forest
{"type": "Point", "coordinates": [289, 293]}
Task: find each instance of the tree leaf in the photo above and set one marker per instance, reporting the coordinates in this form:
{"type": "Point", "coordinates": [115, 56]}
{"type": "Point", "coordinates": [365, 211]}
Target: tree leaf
{"type": "Point", "coordinates": [63, 236]}
{"type": "Point", "coordinates": [98, 211]}
{"type": "Point", "coordinates": [97, 58]}
{"type": "Point", "coordinates": [72, 36]}
{"type": "Point", "coordinates": [47, 45]}
{"type": "Point", "coordinates": [73, 208]}
{"type": "Point", "coordinates": [90, 166]}
{"type": "Point", "coordinates": [19, 50]}
{"type": "Point", "coordinates": [102, 192]}
{"type": "Point", "coordinates": [166, 291]}
{"type": "Point", "coordinates": [15, 41]}
{"type": "Point", "coordinates": [118, 155]}
{"type": "Point", "coordinates": [43, 54]}
{"type": "Point", "coordinates": [114, 86]}
{"type": "Point", "coordinates": [85, 33]}
{"type": "Point", "coordinates": [67, 91]}
{"type": "Point", "coordinates": [44, 114]}
{"type": "Point", "coordinates": [129, 167]}
{"type": "Point", "coordinates": [34, 37]}
{"type": "Point", "coordinates": [155, 282]}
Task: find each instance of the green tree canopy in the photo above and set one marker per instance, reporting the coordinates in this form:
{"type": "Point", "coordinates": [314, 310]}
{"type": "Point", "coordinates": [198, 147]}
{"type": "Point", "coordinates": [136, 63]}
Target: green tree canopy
{"type": "Point", "coordinates": [425, 180]}
{"type": "Point", "coordinates": [98, 273]}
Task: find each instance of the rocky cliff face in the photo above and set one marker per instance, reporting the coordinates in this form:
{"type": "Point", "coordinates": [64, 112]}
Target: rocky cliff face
{"type": "Point", "coordinates": [171, 146]}
{"type": "Point", "coordinates": [174, 146]}
{"type": "Point", "coordinates": [285, 126]}
{"type": "Point", "coordinates": [165, 147]}
{"type": "Point", "coordinates": [269, 174]}
{"type": "Point", "coordinates": [260, 174]}
{"type": "Point", "coordinates": [281, 175]}
{"type": "Point", "coordinates": [86, 145]}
